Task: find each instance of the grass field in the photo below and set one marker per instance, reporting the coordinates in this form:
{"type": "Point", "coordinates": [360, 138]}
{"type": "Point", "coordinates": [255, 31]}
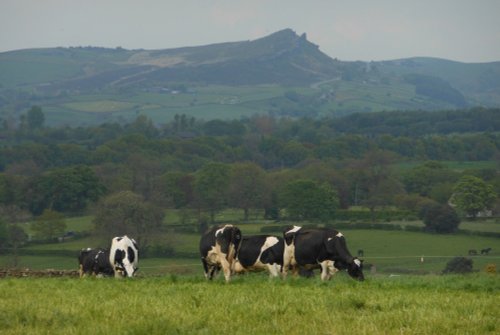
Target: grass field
{"type": "Point", "coordinates": [99, 106]}
{"type": "Point", "coordinates": [251, 305]}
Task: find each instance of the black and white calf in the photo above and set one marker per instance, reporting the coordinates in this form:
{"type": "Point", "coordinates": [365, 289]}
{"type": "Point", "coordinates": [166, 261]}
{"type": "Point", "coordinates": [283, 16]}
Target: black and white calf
{"type": "Point", "coordinates": [218, 249]}
{"type": "Point", "coordinates": [260, 253]}
{"type": "Point", "coordinates": [320, 247]}
{"type": "Point", "coordinates": [124, 256]}
{"type": "Point", "coordinates": [94, 262]}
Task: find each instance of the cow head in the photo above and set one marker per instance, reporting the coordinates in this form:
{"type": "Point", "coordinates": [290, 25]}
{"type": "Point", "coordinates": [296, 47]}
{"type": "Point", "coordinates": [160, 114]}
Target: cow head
{"type": "Point", "coordinates": [355, 269]}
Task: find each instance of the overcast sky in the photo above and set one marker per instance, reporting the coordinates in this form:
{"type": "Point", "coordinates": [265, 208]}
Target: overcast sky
{"type": "Point", "coordinates": [462, 30]}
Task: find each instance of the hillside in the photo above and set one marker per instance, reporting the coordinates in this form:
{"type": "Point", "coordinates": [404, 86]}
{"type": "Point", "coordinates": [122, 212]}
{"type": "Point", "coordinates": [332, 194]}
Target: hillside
{"type": "Point", "coordinates": [281, 74]}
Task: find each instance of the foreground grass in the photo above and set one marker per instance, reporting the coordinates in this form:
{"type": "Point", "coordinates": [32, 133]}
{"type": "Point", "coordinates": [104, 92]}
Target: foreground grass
{"type": "Point", "coordinates": [251, 305]}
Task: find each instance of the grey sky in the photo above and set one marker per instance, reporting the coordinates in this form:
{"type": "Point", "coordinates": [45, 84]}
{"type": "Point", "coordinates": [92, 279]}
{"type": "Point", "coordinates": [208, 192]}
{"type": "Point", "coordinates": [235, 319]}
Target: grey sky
{"type": "Point", "coordinates": [463, 30]}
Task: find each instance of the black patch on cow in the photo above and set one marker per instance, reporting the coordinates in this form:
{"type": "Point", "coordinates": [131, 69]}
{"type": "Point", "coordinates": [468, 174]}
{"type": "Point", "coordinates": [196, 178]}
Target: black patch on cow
{"type": "Point", "coordinates": [119, 256]}
{"type": "Point", "coordinates": [250, 249]}
{"type": "Point", "coordinates": [130, 254]}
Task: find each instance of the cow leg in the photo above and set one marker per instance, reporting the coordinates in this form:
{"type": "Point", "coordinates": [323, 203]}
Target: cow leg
{"type": "Point", "coordinates": [332, 270]}
{"type": "Point", "coordinates": [287, 260]}
{"type": "Point", "coordinates": [226, 267]}
{"type": "Point", "coordinates": [273, 270]}
{"type": "Point", "coordinates": [324, 270]}
{"type": "Point", "coordinates": [206, 269]}
{"type": "Point", "coordinates": [80, 270]}
{"type": "Point", "coordinates": [212, 271]}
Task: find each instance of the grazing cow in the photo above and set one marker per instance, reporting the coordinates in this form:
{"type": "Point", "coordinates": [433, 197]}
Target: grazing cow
{"type": "Point", "coordinates": [94, 262]}
{"type": "Point", "coordinates": [218, 249]}
{"type": "Point", "coordinates": [485, 251]}
{"type": "Point", "coordinates": [260, 253]}
{"type": "Point", "coordinates": [124, 256]}
{"type": "Point", "coordinates": [321, 247]}
{"type": "Point", "coordinates": [472, 252]}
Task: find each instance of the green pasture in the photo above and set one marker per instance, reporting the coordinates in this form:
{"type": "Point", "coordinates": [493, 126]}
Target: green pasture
{"type": "Point", "coordinates": [99, 106]}
{"type": "Point", "coordinates": [201, 102]}
{"type": "Point", "coordinates": [251, 305]}
{"type": "Point", "coordinates": [388, 252]}
{"type": "Point", "coordinates": [360, 96]}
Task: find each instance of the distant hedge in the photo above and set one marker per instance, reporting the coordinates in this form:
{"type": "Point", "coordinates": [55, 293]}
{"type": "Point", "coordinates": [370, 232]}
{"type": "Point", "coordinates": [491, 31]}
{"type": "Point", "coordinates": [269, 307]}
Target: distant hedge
{"type": "Point", "coordinates": [379, 215]}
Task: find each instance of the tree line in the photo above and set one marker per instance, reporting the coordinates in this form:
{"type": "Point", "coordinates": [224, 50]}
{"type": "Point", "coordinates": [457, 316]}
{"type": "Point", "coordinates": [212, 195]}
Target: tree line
{"type": "Point", "coordinates": [298, 169]}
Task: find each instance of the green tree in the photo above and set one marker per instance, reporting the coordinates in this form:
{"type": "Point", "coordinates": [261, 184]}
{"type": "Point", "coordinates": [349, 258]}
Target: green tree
{"type": "Point", "coordinates": [65, 190]}
{"type": "Point", "coordinates": [49, 225]}
{"type": "Point", "coordinates": [247, 187]}
{"type": "Point", "coordinates": [177, 188]}
{"type": "Point", "coordinates": [16, 238]}
{"type": "Point", "coordinates": [35, 118]}
{"type": "Point", "coordinates": [211, 186]}
{"type": "Point", "coordinates": [305, 200]}
{"type": "Point", "coordinates": [373, 184]}
{"type": "Point", "coordinates": [440, 219]}
{"type": "Point", "coordinates": [4, 233]}
{"type": "Point", "coordinates": [126, 213]}
{"type": "Point", "coordinates": [427, 178]}
{"type": "Point", "coordinates": [472, 195]}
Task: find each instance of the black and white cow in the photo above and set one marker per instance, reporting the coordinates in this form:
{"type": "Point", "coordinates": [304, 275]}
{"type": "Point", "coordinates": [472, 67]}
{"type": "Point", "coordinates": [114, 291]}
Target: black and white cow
{"type": "Point", "coordinates": [260, 252]}
{"type": "Point", "coordinates": [320, 247]}
{"type": "Point", "coordinates": [218, 249]}
{"type": "Point", "coordinates": [124, 256]}
{"type": "Point", "coordinates": [94, 262]}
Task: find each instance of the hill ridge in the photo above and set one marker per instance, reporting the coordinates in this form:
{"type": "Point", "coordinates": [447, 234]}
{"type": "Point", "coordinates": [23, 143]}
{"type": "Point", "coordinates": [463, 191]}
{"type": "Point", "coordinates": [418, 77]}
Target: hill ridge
{"type": "Point", "coordinates": [284, 59]}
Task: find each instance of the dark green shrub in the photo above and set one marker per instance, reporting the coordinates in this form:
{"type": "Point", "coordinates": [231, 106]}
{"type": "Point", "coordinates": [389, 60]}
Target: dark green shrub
{"type": "Point", "coordinates": [441, 219]}
{"type": "Point", "coordinates": [458, 265]}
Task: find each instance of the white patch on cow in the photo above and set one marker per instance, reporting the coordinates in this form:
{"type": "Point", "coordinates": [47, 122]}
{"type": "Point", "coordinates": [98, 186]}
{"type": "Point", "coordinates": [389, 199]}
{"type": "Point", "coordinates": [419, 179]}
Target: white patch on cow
{"type": "Point", "coordinates": [294, 229]}
{"type": "Point", "coordinates": [357, 262]}
{"type": "Point", "coordinates": [270, 241]}
{"type": "Point", "coordinates": [339, 235]}
{"type": "Point", "coordinates": [329, 239]}
{"type": "Point", "coordinates": [220, 231]}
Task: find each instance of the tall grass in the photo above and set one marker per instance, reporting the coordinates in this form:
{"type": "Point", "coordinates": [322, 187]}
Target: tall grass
{"type": "Point", "coordinates": [251, 305]}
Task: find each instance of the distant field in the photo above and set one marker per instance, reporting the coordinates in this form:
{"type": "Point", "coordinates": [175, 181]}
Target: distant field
{"type": "Point", "coordinates": [99, 106]}
{"type": "Point", "coordinates": [251, 305]}
{"type": "Point", "coordinates": [220, 102]}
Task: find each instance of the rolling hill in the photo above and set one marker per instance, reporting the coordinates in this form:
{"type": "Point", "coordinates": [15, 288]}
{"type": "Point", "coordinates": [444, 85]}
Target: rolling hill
{"type": "Point", "coordinates": [280, 74]}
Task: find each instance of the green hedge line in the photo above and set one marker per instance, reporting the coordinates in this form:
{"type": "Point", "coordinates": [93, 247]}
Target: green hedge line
{"type": "Point", "coordinates": [379, 215]}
